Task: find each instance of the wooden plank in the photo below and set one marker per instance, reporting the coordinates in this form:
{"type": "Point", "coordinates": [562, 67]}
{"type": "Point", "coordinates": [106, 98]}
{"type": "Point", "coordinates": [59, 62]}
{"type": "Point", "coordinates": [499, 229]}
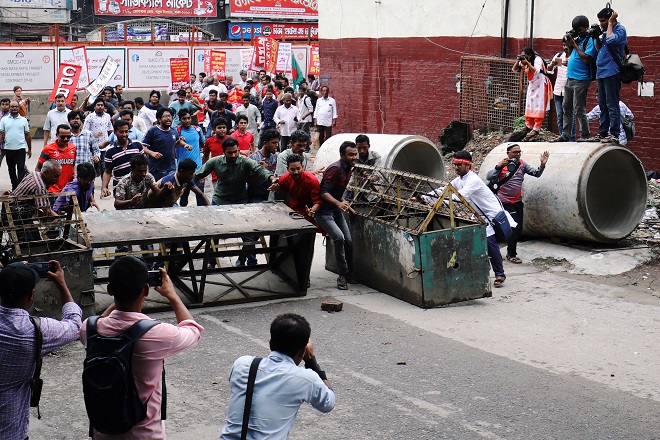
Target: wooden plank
{"type": "Point", "coordinates": [190, 223]}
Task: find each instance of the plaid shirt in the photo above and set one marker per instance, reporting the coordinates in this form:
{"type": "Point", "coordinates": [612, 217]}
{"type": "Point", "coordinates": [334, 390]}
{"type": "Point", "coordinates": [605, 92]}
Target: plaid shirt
{"type": "Point", "coordinates": [32, 185]}
{"type": "Point", "coordinates": [17, 361]}
{"type": "Point", "coordinates": [86, 148]}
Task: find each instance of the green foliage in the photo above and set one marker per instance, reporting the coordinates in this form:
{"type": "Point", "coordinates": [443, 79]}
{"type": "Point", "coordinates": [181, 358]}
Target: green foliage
{"type": "Point", "coordinates": [519, 124]}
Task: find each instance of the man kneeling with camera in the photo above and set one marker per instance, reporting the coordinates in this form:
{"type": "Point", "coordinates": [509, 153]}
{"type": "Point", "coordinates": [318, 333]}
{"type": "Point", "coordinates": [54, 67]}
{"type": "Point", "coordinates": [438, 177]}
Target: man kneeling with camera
{"type": "Point", "coordinates": [21, 335]}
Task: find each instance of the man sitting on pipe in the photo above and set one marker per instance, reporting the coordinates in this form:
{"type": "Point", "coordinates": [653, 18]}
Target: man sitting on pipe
{"type": "Point", "coordinates": [506, 182]}
{"type": "Point", "coordinates": [481, 198]}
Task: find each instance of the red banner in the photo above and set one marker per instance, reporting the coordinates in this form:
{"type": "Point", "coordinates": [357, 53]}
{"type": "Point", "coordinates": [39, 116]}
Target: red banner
{"type": "Point", "coordinates": [295, 9]}
{"type": "Point", "coordinates": [265, 54]}
{"type": "Point", "coordinates": [66, 82]}
{"type": "Point", "coordinates": [314, 61]}
{"type": "Point", "coordinates": [180, 73]}
{"type": "Point", "coordinates": [218, 63]}
{"type": "Point", "coordinates": [235, 98]}
{"type": "Point", "coordinates": [156, 8]}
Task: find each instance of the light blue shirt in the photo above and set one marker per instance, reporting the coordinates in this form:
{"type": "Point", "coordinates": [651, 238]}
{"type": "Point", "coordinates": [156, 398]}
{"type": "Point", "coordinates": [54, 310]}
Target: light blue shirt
{"type": "Point", "coordinates": [14, 130]}
{"type": "Point", "coordinates": [280, 388]}
{"type": "Point", "coordinates": [576, 68]}
{"type": "Point", "coordinates": [195, 139]}
{"type": "Point", "coordinates": [133, 135]}
{"type": "Point", "coordinates": [606, 66]}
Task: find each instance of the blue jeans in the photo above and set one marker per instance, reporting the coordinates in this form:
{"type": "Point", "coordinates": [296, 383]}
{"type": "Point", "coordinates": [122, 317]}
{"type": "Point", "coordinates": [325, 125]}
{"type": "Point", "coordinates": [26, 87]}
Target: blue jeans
{"type": "Point", "coordinates": [495, 256]}
{"type": "Point", "coordinates": [183, 201]}
{"type": "Point", "coordinates": [608, 101]}
{"type": "Point", "coordinates": [575, 104]}
{"type": "Point", "coordinates": [334, 223]}
{"type": "Point", "coordinates": [559, 106]}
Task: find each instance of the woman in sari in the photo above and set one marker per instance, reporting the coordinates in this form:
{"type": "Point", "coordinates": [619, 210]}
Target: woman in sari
{"type": "Point", "coordinates": [539, 91]}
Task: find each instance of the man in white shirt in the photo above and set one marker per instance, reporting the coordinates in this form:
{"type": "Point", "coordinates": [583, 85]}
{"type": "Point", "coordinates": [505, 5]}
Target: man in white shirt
{"type": "Point", "coordinates": [286, 118]}
{"type": "Point", "coordinates": [559, 64]}
{"type": "Point", "coordinates": [482, 199]}
{"type": "Point", "coordinates": [253, 114]}
{"type": "Point", "coordinates": [280, 385]}
{"type": "Point", "coordinates": [55, 117]}
{"type": "Point", "coordinates": [305, 109]}
{"type": "Point", "coordinates": [212, 85]}
{"type": "Point", "coordinates": [325, 115]}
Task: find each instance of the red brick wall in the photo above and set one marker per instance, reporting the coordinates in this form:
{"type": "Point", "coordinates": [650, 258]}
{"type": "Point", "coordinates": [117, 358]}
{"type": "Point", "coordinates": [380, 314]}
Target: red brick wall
{"type": "Point", "coordinates": [417, 92]}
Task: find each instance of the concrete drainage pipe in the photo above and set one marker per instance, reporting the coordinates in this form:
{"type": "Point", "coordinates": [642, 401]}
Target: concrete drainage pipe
{"type": "Point", "coordinates": [414, 154]}
{"type": "Point", "coordinates": [589, 191]}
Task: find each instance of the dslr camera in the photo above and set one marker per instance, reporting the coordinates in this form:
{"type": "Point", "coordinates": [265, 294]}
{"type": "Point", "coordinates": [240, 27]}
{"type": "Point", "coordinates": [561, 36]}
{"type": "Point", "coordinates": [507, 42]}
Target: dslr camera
{"type": "Point", "coordinates": [512, 164]}
{"type": "Point", "coordinates": [521, 58]}
{"type": "Point", "coordinates": [572, 34]}
{"type": "Point", "coordinates": [594, 31]}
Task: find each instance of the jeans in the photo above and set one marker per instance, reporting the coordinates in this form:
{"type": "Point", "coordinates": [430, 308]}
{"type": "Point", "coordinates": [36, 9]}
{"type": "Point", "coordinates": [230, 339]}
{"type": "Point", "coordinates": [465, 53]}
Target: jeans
{"type": "Point", "coordinates": [575, 104]}
{"type": "Point", "coordinates": [495, 256]}
{"type": "Point", "coordinates": [559, 106]}
{"type": "Point", "coordinates": [16, 165]}
{"type": "Point", "coordinates": [516, 211]}
{"type": "Point", "coordinates": [183, 201]}
{"type": "Point", "coordinates": [608, 100]}
{"type": "Point", "coordinates": [160, 174]}
{"type": "Point", "coordinates": [334, 223]}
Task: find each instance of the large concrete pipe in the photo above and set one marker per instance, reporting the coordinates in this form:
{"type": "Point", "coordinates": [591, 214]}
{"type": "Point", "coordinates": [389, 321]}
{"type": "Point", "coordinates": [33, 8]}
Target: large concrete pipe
{"type": "Point", "coordinates": [588, 191]}
{"type": "Point", "coordinates": [411, 153]}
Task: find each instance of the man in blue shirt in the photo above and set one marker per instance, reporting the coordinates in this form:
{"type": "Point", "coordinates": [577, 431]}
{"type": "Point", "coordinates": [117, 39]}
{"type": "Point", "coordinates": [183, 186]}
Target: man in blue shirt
{"type": "Point", "coordinates": [281, 386]}
{"type": "Point", "coordinates": [611, 44]}
{"type": "Point", "coordinates": [579, 76]}
{"type": "Point", "coordinates": [159, 143]}
{"type": "Point", "coordinates": [179, 104]}
{"type": "Point", "coordinates": [194, 137]}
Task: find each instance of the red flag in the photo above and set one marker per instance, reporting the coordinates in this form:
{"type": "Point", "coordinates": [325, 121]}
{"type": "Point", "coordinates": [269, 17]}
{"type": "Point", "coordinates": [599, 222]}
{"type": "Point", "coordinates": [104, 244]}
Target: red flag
{"type": "Point", "coordinates": [66, 82]}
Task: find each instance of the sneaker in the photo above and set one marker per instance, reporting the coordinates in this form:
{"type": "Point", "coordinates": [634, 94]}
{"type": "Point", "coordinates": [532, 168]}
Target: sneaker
{"type": "Point", "coordinates": [531, 136]}
{"type": "Point", "coordinates": [341, 283]}
{"type": "Point", "coordinates": [560, 139]}
{"type": "Point", "coordinates": [590, 139]}
{"type": "Point", "coordinates": [610, 140]}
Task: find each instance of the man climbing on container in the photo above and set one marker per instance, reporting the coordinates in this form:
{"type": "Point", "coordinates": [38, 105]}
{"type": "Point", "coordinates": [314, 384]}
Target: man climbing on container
{"type": "Point", "coordinates": [508, 177]}
{"type": "Point", "coordinates": [484, 202]}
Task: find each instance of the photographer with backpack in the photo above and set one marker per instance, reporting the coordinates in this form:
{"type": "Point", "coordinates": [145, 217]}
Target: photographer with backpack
{"type": "Point", "coordinates": [123, 374]}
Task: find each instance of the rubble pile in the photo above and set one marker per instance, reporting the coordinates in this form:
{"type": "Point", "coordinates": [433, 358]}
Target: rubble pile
{"type": "Point", "coordinates": [649, 228]}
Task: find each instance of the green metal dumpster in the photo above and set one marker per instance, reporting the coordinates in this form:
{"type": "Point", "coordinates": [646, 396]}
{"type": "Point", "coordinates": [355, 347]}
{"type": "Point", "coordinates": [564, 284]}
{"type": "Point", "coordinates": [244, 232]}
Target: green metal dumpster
{"type": "Point", "coordinates": [427, 255]}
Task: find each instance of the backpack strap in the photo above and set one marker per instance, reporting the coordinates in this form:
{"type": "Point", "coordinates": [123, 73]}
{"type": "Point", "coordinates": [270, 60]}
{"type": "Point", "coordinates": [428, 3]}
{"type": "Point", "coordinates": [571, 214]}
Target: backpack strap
{"type": "Point", "coordinates": [91, 326]}
{"type": "Point", "coordinates": [248, 396]}
{"type": "Point", "coordinates": [36, 377]}
{"type": "Point", "coordinates": [137, 330]}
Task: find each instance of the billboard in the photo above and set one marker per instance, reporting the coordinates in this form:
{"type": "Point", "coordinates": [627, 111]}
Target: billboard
{"type": "Point", "coordinates": [35, 15]}
{"type": "Point", "coordinates": [287, 9]}
{"type": "Point", "coordinates": [32, 69]}
{"type": "Point", "coordinates": [279, 31]}
{"type": "Point", "coordinates": [96, 56]}
{"type": "Point", "coordinates": [150, 67]}
{"type": "Point", "coordinates": [156, 8]}
{"type": "Point", "coordinates": [40, 4]}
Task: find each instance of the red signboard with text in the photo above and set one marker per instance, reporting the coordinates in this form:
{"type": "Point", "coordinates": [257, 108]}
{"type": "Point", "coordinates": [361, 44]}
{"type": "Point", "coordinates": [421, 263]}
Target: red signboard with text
{"type": "Point", "coordinates": [314, 61]}
{"type": "Point", "coordinates": [218, 64]}
{"type": "Point", "coordinates": [295, 9]}
{"type": "Point", "coordinates": [66, 82]}
{"type": "Point", "coordinates": [180, 73]}
{"type": "Point", "coordinates": [156, 8]}
{"type": "Point", "coordinates": [265, 54]}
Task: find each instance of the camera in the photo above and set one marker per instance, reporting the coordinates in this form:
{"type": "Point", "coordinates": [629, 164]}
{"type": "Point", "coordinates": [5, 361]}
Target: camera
{"type": "Point", "coordinates": [6, 255]}
{"type": "Point", "coordinates": [521, 58]}
{"type": "Point", "coordinates": [594, 31]}
{"type": "Point", "coordinates": [154, 278]}
{"type": "Point", "coordinates": [43, 268]}
{"type": "Point", "coordinates": [512, 165]}
{"type": "Point", "coordinates": [570, 35]}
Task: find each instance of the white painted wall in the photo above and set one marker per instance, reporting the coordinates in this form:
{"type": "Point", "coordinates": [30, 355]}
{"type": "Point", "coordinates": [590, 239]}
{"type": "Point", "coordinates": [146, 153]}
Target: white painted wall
{"type": "Point", "coordinates": [434, 18]}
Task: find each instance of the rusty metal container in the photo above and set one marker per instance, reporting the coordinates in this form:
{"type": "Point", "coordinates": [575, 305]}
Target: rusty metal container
{"type": "Point", "coordinates": [425, 255]}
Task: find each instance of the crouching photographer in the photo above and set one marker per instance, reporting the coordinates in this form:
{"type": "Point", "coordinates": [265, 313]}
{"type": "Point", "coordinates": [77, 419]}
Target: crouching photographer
{"type": "Point", "coordinates": [24, 339]}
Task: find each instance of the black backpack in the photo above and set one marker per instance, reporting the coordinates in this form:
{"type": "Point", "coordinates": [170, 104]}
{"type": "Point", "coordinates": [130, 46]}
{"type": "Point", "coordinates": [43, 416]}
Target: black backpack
{"type": "Point", "coordinates": [111, 399]}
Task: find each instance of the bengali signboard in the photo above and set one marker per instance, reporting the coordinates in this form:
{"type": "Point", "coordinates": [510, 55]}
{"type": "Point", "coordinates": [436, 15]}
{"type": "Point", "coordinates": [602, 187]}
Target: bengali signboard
{"type": "Point", "coordinates": [35, 15]}
{"type": "Point", "coordinates": [32, 69]}
{"type": "Point", "coordinates": [150, 67]}
{"type": "Point", "coordinates": [314, 62]}
{"type": "Point", "coordinates": [240, 58]}
{"type": "Point", "coordinates": [283, 58]}
{"type": "Point", "coordinates": [156, 8]}
{"type": "Point", "coordinates": [95, 59]}
{"type": "Point", "coordinates": [287, 9]}
{"type": "Point", "coordinates": [279, 31]}
{"type": "Point", "coordinates": [108, 70]}
{"type": "Point", "coordinates": [66, 82]}
{"type": "Point", "coordinates": [179, 73]}
{"type": "Point", "coordinates": [218, 64]}
{"type": "Point", "coordinates": [265, 54]}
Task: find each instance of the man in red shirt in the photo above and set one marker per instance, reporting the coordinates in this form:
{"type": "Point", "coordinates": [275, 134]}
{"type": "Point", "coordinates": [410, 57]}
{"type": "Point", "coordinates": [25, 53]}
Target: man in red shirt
{"type": "Point", "coordinates": [63, 152]}
{"type": "Point", "coordinates": [303, 188]}
{"type": "Point", "coordinates": [213, 145]}
{"type": "Point", "coordinates": [244, 137]}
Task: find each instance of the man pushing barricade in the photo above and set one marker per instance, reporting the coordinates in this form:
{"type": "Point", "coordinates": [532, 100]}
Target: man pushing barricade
{"type": "Point", "coordinates": [267, 393]}
{"type": "Point", "coordinates": [506, 181]}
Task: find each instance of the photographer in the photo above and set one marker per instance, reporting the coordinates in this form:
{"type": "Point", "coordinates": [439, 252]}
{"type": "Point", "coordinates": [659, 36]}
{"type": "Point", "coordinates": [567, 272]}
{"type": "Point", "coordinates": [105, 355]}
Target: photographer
{"type": "Point", "coordinates": [17, 340]}
{"type": "Point", "coordinates": [280, 385]}
{"type": "Point", "coordinates": [610, 44]}
{"type": "Point", "coordinates": [509, 174]}
{"type": "Point", "coordinates": [539, 91]}
{"type": "Point", "coordinates": [579, 76]}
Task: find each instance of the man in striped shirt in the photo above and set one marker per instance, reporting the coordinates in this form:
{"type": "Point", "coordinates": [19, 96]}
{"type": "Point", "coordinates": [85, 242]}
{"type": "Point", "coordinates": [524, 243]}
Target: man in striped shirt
{"type": "Point", "coordinates": [118, 157]}
{"type": "Point", "coordinates": [87, 150]}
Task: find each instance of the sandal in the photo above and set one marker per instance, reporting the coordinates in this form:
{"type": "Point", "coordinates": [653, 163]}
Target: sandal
{"type": "Point", "coordinates": [514, 260]}
{"type": "Point", "coordinates": [531, 136]}
{"type": "Point", "coordinates": [499, 280]}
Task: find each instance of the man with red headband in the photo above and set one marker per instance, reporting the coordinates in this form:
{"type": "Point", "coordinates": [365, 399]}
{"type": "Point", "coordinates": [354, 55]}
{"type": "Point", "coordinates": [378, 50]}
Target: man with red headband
{"type": "Point", "coordinates": [482, 199]}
